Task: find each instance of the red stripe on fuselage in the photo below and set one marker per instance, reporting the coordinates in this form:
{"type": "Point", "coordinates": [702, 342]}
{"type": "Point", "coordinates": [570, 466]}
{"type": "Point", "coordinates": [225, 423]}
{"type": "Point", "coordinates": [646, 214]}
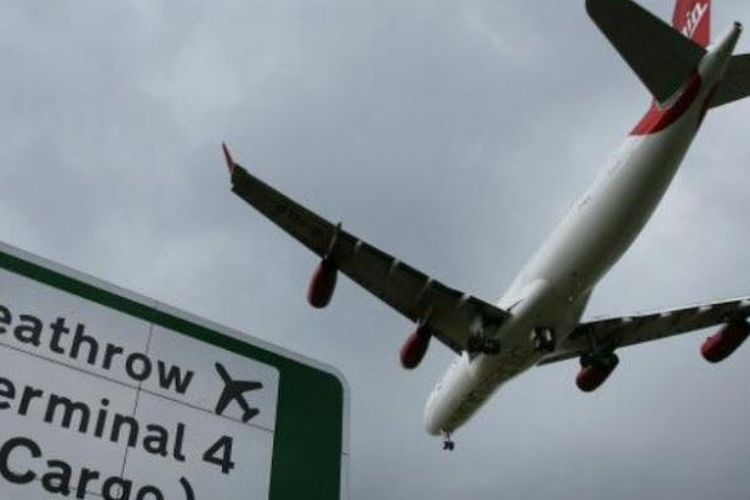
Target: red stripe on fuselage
{"type": "Point", "coordinates": [658, 119]}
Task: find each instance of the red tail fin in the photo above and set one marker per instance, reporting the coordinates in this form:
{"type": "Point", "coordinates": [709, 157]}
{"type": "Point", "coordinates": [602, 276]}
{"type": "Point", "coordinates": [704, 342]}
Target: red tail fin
{"type": "Point", "coordinates": [692, 18]}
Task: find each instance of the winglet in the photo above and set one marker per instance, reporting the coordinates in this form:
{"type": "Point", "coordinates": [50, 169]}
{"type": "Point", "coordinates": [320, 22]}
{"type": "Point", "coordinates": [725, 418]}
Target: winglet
{"type": "Point", "coordinates": [228, 158]}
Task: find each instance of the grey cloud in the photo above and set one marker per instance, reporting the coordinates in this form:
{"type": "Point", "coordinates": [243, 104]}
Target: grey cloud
{"type": "Point", "coordinates": [452, 135]}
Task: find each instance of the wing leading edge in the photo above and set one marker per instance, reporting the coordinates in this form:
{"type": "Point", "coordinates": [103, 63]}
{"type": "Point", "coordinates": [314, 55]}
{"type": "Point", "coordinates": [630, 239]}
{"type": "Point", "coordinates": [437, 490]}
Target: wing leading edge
{"type": "Point", "coordinates": [611, 333]}
{"type": "Point", "coordinates": [458, 320]}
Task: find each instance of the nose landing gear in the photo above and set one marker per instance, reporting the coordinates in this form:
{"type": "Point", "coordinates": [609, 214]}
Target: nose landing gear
{"type": "Point", "coordinates": [448, 444]}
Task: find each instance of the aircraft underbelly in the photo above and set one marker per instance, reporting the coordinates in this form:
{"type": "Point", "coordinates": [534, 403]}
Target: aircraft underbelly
{"type": "Point", "coordinates": [607, 219]}
{"type": "Point", "coordinates": [591, 238]}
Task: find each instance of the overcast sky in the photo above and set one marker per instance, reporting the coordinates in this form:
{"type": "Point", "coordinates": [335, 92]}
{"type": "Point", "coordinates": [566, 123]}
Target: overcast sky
{"type": "Point", "coordinates": [451, 134]}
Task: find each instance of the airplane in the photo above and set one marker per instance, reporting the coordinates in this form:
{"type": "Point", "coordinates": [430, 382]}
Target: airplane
{"type": "Point", "coordinates": [538, 320]}
{"type": "Point", "coordinates": [233, 391]}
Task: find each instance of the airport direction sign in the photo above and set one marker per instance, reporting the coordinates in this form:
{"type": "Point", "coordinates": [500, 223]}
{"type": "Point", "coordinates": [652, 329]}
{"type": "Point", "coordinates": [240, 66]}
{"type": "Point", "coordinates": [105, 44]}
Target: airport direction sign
{"type": "Point", "coordinates": [107, 394]}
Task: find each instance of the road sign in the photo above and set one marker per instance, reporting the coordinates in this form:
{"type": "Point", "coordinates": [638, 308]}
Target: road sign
{"type": "Point", "coordinates": [107, 394]}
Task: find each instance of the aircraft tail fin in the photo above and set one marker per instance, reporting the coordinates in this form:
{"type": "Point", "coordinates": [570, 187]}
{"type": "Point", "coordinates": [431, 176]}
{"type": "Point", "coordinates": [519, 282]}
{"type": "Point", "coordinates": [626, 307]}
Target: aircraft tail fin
{"type": "Point", "coordinates": [736, 83]}
{"type": "Point", "coordinates": [662, 58]}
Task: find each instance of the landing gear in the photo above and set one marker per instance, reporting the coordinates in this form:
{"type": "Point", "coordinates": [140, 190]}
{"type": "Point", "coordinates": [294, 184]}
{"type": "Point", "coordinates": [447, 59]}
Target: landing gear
{"type": "Point", "coordinates": [543, 340]}
{"type": "Point", "coordinates": [481, 345]}
{"type": "Point", "coordinates": [448, 444]}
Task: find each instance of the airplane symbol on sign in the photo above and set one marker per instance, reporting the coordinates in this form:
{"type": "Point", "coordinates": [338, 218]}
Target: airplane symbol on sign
{"type": "Point", "coordinates": [233, 391]}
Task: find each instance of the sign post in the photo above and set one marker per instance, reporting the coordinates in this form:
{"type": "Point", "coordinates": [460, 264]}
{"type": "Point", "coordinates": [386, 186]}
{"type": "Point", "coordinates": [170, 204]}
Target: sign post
{"type": "Point", "coordinates": [107, 394]}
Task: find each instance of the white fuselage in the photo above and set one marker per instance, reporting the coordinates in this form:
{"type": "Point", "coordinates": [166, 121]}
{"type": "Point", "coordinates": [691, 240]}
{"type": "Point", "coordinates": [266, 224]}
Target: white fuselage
{"type": "Point", "coordinates": [553, 288]}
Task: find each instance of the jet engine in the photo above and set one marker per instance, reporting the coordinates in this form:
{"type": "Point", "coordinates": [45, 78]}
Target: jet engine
{"type": "Point", "coordinates": [415, 347]}
{"type": "Point", "coordinates": [322, 284]}
{"type": "Point", "coordinates": [595, 370]}
{"type": "Point", "coordinates": [718, 347]}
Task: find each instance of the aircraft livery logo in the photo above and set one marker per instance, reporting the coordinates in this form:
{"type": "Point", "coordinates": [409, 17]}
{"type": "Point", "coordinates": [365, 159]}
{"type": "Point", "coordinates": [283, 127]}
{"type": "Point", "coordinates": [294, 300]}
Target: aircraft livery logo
{"type": "Point", "coordinates": [694, 18]}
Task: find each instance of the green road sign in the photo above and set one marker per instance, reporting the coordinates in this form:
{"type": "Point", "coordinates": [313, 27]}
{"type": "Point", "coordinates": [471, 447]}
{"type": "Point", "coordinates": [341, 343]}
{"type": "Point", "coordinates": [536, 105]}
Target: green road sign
{"type": "Point", "coordinates": [107, 394]}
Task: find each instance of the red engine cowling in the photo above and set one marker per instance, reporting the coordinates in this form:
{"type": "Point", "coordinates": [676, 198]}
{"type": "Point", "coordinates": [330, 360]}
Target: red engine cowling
{"type": "Point", "coordinates": [415, 347]}
{"type": "Point", "coordinates": [322, 284]}
{"type": "Point", "coordinates": [718, 347]}
{"type": "Point", "coordinates": [594, 374]}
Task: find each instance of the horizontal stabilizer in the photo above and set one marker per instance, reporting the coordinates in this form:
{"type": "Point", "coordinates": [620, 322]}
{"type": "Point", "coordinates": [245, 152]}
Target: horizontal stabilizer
{"type": "Point", "coordinates": [736, 83]}
{"type": "Point", "coordinates": [661, 56]}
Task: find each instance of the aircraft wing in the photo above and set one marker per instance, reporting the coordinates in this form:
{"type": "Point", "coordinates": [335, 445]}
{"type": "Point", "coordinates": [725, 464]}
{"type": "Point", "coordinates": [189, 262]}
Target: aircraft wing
{"type": "Point", "coordinates": [451, 316]}
{"type": "Point", "coordinates": [612, 333]}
